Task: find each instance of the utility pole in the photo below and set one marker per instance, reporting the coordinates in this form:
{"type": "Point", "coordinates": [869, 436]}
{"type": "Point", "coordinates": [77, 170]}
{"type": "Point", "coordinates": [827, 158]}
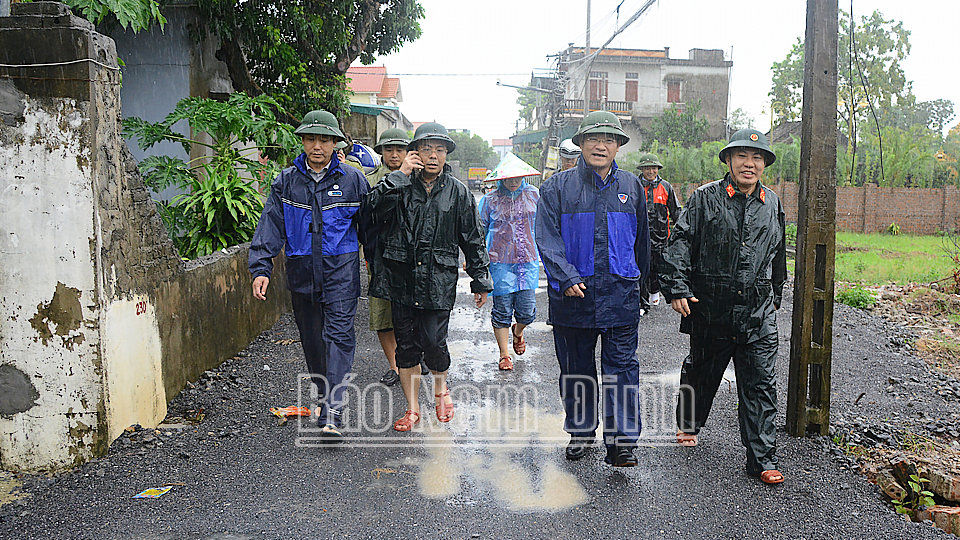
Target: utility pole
{"type": "Point", "coordinates": [811, 342]}
{"type": "Point", "coordinates": [586, 74]}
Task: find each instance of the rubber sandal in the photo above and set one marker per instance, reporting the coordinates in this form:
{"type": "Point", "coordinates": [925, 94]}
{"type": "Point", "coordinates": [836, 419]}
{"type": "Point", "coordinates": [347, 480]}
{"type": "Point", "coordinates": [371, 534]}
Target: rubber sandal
{"type": "Point", "coordinates": [519, 344]}
{"type": "Point", "coordinates": [406, 423]}
{"type": "Point", "coordinates": [686, 439]}
{"type": "Point", "coordinates": [331, 434]}
{"type": "Point", "coordinates": [444, 410]}
{"type": "Point", "coordinates": [506, 363]}
{"type": "Point", "coordinates": [772, 476]}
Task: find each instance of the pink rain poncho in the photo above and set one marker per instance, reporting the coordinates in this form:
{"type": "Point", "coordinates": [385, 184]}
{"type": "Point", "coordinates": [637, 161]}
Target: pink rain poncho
{"type": "Point", "coordinates": [507, 218]}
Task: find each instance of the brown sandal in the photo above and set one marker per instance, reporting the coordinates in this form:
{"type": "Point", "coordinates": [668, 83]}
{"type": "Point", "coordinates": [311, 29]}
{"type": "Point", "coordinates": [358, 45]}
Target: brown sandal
{"type": "Point", "coordinates": [406, 423]}
{"type": "Point", "coordinates": [686, 439]}
{"type": "Point", "coordinates": [772, 476]}
{"type": "Point", "coordinates": [506, 363]}
{"type": "Point", "coordinates": [519, 344]}
{"type": "Point", "coordinates": [444, 409]}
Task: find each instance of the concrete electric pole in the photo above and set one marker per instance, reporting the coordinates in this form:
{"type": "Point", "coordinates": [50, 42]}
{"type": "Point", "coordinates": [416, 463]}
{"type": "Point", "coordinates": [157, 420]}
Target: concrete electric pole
{"type": "Point", "coordinates": [811, 342]}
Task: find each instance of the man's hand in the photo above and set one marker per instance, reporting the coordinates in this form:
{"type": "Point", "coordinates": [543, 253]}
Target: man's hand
{"type": "Point", "coordinates": [411, 163]}
{"type": "Point", "coordinates": [682, 306]}
{"type": "Point", "coordinates": [260, 284]}
{"type": "Point", "coordinates": [480, 298]}
{"type": "Point", "coordinates": [575, 290]}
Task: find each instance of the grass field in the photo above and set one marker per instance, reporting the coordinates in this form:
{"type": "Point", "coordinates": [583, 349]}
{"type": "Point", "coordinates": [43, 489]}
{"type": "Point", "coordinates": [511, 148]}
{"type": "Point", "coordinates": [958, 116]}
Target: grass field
{"type": "Point", "coordinates": [875, 259]}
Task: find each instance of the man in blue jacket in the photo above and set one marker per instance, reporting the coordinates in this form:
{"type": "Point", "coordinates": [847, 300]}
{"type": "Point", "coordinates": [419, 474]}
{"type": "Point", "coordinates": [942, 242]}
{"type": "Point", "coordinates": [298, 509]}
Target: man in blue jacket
{"type": "Point", "coordinates": [313, 214]}
{"type": "Point", "coordinates": [593, 237]}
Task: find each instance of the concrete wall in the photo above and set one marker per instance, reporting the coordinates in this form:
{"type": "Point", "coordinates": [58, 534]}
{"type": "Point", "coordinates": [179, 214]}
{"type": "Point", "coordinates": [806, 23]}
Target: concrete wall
{"type": "Point", "coordinates": [103, 323]}
{"type": "Point", "coordinates": [871, 209]}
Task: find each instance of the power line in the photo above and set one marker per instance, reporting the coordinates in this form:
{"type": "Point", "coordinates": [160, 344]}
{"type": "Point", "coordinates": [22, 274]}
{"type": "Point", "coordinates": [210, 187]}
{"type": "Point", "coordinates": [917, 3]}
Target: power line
{"type": "Point", "coordinates": [459, 74]}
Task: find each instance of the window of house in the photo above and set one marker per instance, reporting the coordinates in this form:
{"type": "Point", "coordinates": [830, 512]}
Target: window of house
{"type": "Point", "coordinates": [673, 92]}
{"type": "Point", "coordinates": [598, 85]}
{"type": "Point", "coordinates": [631, 88]}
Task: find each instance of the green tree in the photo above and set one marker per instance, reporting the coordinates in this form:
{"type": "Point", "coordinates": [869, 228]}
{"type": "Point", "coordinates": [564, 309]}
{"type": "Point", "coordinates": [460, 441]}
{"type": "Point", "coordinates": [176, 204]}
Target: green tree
{"type": "Point", "coordinates": [298, 52]}
{"type": "Point", "coordinates": [684, 127]}
{"type": "Point", "coordinates": [130, 14]}
{"type": "Point", "coordinates": [739, 119]}
{"type": "Point", "coordinates": [872, 56]}
{"type": "Point", "coordinates": [473, 151]}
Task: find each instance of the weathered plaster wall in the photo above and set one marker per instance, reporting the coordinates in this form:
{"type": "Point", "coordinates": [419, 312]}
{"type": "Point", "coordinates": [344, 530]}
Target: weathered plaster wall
{"type": "Point", "coordinates": [50, 305]}
{"type": "Point", "coordinates": [102, 321]}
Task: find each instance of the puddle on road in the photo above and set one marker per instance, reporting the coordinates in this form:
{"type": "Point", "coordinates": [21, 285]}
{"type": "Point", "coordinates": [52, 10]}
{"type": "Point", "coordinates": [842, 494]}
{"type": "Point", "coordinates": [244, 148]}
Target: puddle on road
{"type": "Point", "coordinates": [490, 449]}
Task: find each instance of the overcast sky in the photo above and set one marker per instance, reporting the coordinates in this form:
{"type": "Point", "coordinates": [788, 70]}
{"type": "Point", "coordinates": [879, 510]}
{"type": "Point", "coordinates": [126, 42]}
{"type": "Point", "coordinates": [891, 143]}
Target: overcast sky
{"type": "Point", "coordinates": [449, 75]}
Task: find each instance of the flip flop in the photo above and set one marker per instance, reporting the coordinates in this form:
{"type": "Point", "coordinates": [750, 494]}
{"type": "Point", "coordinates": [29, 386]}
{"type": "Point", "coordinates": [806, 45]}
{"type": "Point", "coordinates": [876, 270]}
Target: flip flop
{"type": "Point", "coordinates": [506, 363]}
{"type": "Point", "coordinates": [686, 439]}
{"type": "Point", "coordinates": [519, 344]}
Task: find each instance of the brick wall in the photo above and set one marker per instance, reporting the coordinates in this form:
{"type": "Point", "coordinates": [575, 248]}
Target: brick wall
{"type": "Point", "coordinates": [871, 209]}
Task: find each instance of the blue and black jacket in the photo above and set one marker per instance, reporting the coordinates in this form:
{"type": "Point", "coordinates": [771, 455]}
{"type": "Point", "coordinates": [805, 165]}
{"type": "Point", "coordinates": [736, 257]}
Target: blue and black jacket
{"type": "Point", "coordinates": [593, 231]}
{"type": "Point", "coordinates": [318, 225]}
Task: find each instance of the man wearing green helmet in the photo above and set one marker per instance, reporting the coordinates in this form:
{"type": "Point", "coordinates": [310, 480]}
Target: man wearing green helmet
{"type": "Point", "coordinates": [425, 217]}
{"type": "Point", "coordinates": [663, 210]}
{"type": "Point", "coordinates": [392, 147]}
{"type": "Point", "coordinates": [723, 271]}
{"type": "Point", "coordinates": [314, 215]}
{"type": "Point", "coordinates": [591, 231]}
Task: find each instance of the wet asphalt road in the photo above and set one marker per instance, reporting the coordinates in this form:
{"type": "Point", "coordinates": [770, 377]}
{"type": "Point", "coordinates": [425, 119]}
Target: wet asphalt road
{"type": "Point", "coordinates": [496, 471]}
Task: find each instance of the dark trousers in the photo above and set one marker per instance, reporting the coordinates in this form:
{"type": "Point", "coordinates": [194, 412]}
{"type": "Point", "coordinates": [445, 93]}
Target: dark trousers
{"type": "Point", "coordinates": [329, 343]}
{"type": "Point", "coordinates": [579, 387]}
{"type": "Point", "coordinates": [421, 335]}
{"type": "Point", "coordinates": [753, 364]}
{"type": "Point", "coordinates": [651, 284]}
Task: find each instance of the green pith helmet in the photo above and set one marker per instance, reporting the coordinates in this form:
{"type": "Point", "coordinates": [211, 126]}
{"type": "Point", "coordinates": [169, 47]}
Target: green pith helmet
{"type": "Point", "coordinates": [601, 122]}
{"type": "Point", "coordinates": [392, 136]}
{"type": "Point", "coordinates": [432, 130]}
{"type": "Point", "coordinates": [340, 145]}
{"type": "Point", "coordinates": [320, 123]}
{"type": "Point", "coordinates": [646, 160]}
{"type": "Point", "coordinates": [749, 138]}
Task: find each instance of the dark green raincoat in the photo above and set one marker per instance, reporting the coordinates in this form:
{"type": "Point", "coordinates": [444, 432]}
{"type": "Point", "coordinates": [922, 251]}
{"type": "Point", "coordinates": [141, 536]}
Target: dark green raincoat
{"type": "Point", "coordinates": [416, 259]}
{"type": "Point", "coordinates": [729, 251]}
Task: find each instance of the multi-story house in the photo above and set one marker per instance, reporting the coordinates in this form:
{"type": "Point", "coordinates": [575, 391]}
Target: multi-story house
{"type": "Point", "coordinates": [639, 85]}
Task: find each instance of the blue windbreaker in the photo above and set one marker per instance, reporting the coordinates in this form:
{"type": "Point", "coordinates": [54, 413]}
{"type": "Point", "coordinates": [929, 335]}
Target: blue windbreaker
{"type": "Point", "coordinates": [594, 233]}
{"type": "Point", "coordinates": [318, 225]}
{"type": "Point", "coordinates": [508, 218]}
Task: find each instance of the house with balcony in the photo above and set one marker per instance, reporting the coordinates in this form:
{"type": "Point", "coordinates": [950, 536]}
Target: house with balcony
{"type": "Point", "coordinates": [374, 103]}
{"type": "Point", "coordinates": [637, 85]}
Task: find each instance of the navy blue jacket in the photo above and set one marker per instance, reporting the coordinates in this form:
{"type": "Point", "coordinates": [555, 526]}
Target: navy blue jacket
{"type": "Point", "coordinates": [318, 225]}
{"type": "Point", "coordinates": [594, 233]}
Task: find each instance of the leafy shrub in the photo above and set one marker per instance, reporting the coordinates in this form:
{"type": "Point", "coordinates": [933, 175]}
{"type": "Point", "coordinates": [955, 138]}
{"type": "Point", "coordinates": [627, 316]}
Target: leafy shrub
{"type": "Point", "coordinates": [221, 203]}
{"type": "Point", "coordinates": [857, 297]}
{"type": "Point", "coordinates": [893, 229]}
{"type": "Point", "coordinates": [791, 232]}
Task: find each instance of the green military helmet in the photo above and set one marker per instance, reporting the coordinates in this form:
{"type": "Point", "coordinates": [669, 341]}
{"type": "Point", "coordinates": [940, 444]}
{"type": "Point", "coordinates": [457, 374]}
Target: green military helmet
{"type": "Point", "coordinates": [601, 122]}
{"type": "Point", "coordinates": [432, 130]}
{"type": "Point", "coordinates": [320, 122]}
{"type": "Point", "coordinates": [749, 138]}
{"type": "Point", "coordinates": [392, 136]}
{"type": "Point", "coordinates": [340, 145]}
{"type": "Point", "coordinates": [646, 160]}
